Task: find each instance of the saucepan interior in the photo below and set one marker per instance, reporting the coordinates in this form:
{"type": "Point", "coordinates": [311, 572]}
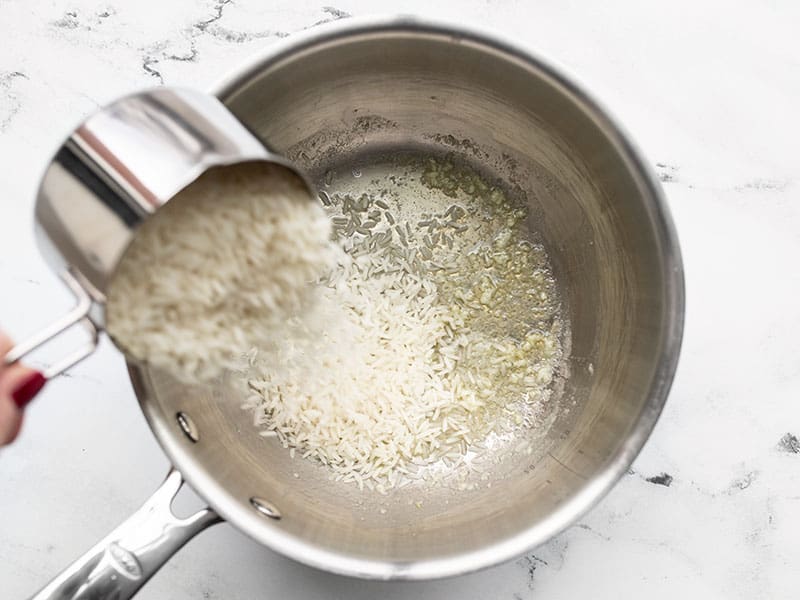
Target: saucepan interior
{"type": "Point", "coordinates": [356, 96]}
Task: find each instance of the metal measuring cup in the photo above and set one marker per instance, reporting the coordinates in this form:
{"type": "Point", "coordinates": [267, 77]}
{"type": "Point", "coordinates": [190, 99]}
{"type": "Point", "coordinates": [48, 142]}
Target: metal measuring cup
{"type": "Point", "coordinates": [114, 171]}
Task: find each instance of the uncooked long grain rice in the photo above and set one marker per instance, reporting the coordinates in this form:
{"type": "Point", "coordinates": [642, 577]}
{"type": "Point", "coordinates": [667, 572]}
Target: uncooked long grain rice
{"type": "Point", "coordinates": [395, 367]}
{"type": "Point", "coordinates": [216, 269]}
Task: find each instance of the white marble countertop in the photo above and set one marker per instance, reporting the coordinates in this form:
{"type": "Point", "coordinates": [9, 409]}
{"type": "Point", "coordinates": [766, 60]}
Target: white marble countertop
{"type": "Point", "coordinates": [711, 508]}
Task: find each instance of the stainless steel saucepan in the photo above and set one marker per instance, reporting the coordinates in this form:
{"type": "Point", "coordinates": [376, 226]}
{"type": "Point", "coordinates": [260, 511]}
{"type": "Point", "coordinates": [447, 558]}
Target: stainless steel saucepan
{"type": "Point", "coordinates": [353, 95]}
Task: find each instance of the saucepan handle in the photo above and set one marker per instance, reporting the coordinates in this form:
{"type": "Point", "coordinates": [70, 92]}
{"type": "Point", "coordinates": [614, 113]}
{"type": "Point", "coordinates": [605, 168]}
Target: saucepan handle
{"type": "Point", "coordinates": [77, 316]}
{"type": "Point", "coordinates": [122, 562]}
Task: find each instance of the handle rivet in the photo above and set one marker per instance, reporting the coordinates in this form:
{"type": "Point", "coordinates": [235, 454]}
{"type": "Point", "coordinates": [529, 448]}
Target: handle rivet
{"type": "Point", "coordinates": [266, 508]}
{"type": "Point", "coordinates": [188, 427]}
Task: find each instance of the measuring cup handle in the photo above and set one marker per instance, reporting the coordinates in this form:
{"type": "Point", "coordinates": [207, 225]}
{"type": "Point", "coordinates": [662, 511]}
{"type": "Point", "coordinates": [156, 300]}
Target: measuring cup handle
{"type": "Point", "coordinates": [122, 562]}
{"type": "Point", "coordinates": [78, 315]}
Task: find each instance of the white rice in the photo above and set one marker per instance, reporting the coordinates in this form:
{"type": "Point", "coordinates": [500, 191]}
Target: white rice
{"type": "Point", "coordinates": [217, 269]}
{"type": "Point", "coordinates": [405, 361]}
{"type": "Point", "coordinates": [404, 343]}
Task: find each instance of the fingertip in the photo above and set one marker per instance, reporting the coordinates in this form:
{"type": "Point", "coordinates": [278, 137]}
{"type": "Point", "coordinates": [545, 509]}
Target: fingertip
{"type": "Point", "coordinates": [10, 421]}
{"type": "Point", "coordinates": [26, 390]}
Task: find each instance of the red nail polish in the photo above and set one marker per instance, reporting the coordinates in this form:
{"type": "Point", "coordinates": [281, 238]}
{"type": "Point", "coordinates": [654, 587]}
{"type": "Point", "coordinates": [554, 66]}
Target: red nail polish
{"type": "Point", "coordinates": [28, 389]}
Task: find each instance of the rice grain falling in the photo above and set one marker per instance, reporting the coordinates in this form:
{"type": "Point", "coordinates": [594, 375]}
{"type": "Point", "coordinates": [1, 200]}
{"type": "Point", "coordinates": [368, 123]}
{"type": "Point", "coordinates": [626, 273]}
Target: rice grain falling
{"type": "Point", "coordinates": [218, 269]}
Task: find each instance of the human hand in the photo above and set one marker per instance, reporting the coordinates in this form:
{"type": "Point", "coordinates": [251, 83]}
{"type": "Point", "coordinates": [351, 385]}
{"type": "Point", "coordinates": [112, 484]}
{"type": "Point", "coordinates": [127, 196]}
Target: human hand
{"type": "Point", "coordinates": [18, 386]}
